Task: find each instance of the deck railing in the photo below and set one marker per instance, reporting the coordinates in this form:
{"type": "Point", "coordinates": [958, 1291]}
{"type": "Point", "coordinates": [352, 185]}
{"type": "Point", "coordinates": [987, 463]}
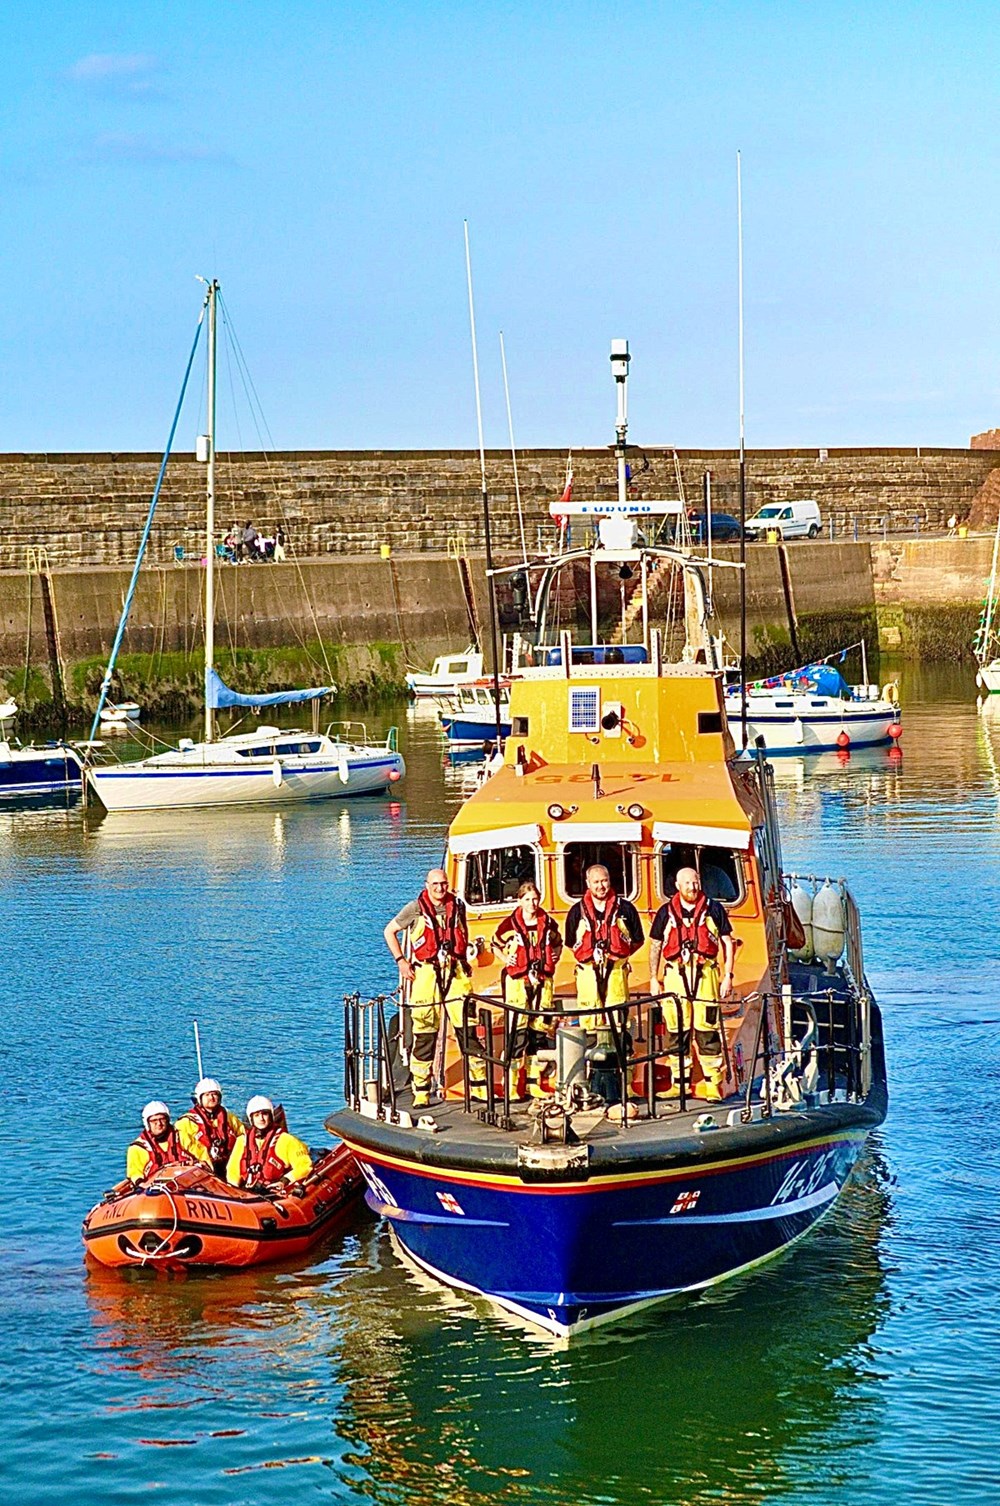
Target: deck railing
{"type": "Point", "coordinates": [853, 961]}
{"type": "Point", "coordinates": [826, 1056]}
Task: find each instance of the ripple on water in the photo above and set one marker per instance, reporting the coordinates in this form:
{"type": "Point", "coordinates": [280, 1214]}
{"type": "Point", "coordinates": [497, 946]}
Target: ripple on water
{"type": "Point", "coordinates": [863, 1365]}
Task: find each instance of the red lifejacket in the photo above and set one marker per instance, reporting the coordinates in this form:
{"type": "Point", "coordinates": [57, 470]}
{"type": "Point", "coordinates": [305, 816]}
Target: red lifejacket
{"type": "Point", "coordinates": [537, 946]}
{"type": "Point", "coordinates": [602, 931]}
{"type": "Point", "coordinates": [450, 940]}
{"type": "Point", "coordinates": [166, 1152]}
{"type": "Point", "coordinates": [689, 935]}
{"type": "Point", "coordinates": [259, 1163]}
{"type": "Point", "coordinates": [214, 1131]}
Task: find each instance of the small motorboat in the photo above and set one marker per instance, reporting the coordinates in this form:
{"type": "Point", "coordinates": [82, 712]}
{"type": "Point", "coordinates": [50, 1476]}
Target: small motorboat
{"type": "Point", "coordinates": [120, 715]}
{"type": "Point", "coordinates": [186, 1216]}
{"type": "Point", "coordinates": [50, 768]}
{"type": "Point", "coordinates": [448, 672]}
{"type": "Point", "coordinates": [469, 716]}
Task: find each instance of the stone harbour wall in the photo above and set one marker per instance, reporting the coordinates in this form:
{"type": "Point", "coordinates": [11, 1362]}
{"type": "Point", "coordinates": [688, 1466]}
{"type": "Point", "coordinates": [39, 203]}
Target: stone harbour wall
{"type": "Point", "coordinates": [89, 509]}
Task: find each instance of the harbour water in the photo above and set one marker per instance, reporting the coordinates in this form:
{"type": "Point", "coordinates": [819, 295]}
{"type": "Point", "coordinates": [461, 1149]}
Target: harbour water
{"type": "Point", "coordinates": [864, 1365]}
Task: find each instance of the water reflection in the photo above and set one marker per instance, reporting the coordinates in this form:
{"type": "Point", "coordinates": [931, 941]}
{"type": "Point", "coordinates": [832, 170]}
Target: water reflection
{"type": "Point", "coordinates": [734, 1395]}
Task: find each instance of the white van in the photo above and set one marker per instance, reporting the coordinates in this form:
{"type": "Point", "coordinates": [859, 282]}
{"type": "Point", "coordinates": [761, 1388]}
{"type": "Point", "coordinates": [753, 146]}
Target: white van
{"type": "Point", "coordinates": [793, 520]}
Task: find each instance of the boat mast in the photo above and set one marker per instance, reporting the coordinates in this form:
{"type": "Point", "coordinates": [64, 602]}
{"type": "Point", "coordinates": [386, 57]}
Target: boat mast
{"type": "Point", "coordinates": [213, 290]}
{"type": "Point", "coordinates": [743, 463]}
{"type": "Point", "coordinates": [486, 497]}
{"type": "Point", "coordinates": [986, 627]}
{"type": "Point", "coordinates": [619, 370]}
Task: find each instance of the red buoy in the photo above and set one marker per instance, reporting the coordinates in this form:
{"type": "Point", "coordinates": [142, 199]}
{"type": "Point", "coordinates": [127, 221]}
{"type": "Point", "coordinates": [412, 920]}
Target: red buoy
{"type": "Point", "coordinates": [394, 775]}
{"type": "Point", "coordinates": [895, 731]}
{"type": "Point", "coordinates": [843, 740]}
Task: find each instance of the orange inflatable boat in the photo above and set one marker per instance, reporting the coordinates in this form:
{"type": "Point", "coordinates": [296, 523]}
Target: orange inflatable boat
{"type": "Point", "coordinates": [186, 1216]}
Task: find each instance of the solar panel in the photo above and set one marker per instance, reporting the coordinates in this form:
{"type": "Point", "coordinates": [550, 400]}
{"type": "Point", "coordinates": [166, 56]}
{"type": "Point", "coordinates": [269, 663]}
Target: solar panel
{"type": "Point", "coordinates": [584, 709]}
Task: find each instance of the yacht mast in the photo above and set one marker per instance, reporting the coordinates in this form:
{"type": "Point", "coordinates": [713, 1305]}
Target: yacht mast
{"type": "Point", "coordinates": [985, 634]}
{"type": "Point", "coordinates": [213, 290]}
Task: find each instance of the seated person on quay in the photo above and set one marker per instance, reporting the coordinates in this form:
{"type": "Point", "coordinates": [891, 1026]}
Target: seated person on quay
{"type": "Point", "coordinates": [689, 933]}
{"type": "Point", "coordinates": [157, 1146]}
{"type": "Point", "coordinates": [208, 1131]}
{"type": "Point", "coordinates": [265, 1155]}
{"type": "Point", "coordinates": [529, 942]}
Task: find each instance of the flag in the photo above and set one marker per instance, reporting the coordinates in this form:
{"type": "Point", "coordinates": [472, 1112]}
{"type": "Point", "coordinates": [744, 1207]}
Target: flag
{"type": "Point", "coordinates": [450, 1204]}
{"type": "Point", "coordinates": [567, 495]}
{"type": "Point", "coordinates": [684, 1203]}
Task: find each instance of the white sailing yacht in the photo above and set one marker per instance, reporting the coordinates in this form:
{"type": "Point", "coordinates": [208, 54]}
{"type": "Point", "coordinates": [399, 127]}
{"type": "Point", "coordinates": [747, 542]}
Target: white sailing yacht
{"type": "Point", "coordinates": [266, 766]}
{"type": "Point", "coordinates": [987, 641]}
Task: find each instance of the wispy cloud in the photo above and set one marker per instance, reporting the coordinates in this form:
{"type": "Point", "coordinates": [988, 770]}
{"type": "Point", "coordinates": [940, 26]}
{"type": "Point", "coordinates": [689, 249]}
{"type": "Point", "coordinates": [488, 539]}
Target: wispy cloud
{"type": "Point", "coordinates": [133, 74]}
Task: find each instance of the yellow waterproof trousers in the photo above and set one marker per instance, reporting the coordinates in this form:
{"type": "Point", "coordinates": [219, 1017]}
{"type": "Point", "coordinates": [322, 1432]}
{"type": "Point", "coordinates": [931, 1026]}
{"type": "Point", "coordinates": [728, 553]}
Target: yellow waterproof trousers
{"type": "Point", "coordinates": [531, 1036]}
{"type": "Point", "coordinates": [425, 1013]}
{"type": "Point", "coordinates": [696, 985]}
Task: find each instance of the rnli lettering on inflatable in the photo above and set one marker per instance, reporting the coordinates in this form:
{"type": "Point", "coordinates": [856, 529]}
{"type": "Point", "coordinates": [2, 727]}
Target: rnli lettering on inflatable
{"type": "Point", "coordinates": [186, 1216]}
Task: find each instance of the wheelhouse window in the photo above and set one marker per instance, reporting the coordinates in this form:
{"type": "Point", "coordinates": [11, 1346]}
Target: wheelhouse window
{"type": "Point", "coordinates": [617, 857]}
{"type": "Point", "coordinates": [494, 876]}
{"type": "Point", "coordinates": [718, 868]}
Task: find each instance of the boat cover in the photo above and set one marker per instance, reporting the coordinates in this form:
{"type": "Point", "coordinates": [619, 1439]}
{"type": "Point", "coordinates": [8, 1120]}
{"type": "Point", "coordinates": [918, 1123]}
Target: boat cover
{"type": "Point", "coordinates": [821, 678]}
{"type": "Point", "coordinates": [219, 695]}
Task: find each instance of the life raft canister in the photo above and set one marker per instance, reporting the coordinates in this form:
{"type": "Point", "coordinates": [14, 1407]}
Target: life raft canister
{"type": "Point", "coordinates": [214, 1131]}
{"type": "Point", "coordinates": [259, 1163]}
{"type": "Point", "coordinates": [536, 946]}
{"type": "Point", "coordinates": [602, 931]}
{"type": "Point", "coordinates": [166, 1152]}
{"type": "Point", "coordinates": [689, 934]}
{"type": "Point", "coordinates": [434, 941]}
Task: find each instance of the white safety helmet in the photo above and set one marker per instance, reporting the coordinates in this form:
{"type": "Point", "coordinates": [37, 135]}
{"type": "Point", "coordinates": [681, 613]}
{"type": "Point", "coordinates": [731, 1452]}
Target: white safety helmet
{"type": "Point", "coordinates": [152, 1109]}
{"type": "Point", "coordinates": [206, 1085]}
{"type": "Point", "coordinates": [259, 1105]}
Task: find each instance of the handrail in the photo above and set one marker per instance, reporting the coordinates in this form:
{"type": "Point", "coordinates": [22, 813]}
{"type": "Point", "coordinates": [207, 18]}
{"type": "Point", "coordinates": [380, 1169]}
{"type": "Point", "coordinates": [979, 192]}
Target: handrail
{"type": "Point", "coordinates": [854, 964]}
{"type": "Point", "coordinates": [832, 1056]}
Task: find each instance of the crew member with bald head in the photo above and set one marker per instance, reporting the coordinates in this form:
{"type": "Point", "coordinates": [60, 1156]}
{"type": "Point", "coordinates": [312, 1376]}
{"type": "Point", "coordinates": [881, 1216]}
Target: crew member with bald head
{"type": "Point", "coordinates": [437, 973]}
{"type": "Point", "coordinates": [689, 937]}
{"type": "Point", "coordinates": [602, 931]}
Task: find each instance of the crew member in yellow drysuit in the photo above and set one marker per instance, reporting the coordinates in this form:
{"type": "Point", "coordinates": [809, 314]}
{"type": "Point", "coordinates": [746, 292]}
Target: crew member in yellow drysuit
{"type": "Point", "coordinates": [690, 934]}
{"type": "Point", "coordinates": [603, 932]}
{"type": "Point", "coordinates": [529, 942]}
{"type": "Point", "coordinates": [265, 1155]}
{"type": "Point", "coordinates": [157, 1146]}
{"type": "Point", "coordinates": [438, 973]}
{"type": "Point", "coordinates": [208, 1130]}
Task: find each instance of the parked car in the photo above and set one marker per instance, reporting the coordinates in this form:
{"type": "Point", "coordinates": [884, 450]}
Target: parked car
{"type": "Point", "coordinates": [724, 526]}
{"type": "Point", "coordinates": [793, 520]}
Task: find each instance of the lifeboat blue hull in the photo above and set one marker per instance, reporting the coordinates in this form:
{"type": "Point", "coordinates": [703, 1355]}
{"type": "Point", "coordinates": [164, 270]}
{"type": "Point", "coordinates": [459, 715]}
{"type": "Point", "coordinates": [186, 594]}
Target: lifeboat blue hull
{"type": "Point", "coordinates": [569, 1256]}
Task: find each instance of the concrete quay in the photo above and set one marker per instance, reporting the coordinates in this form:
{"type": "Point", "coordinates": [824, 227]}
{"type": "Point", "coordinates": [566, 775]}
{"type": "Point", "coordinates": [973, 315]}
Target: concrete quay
{"type": "Point", "coordinates": [374, 617]}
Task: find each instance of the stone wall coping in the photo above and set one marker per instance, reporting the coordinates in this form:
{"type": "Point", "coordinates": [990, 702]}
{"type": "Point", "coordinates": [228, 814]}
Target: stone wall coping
{"type": "Point", "coordinates": [134, 457]}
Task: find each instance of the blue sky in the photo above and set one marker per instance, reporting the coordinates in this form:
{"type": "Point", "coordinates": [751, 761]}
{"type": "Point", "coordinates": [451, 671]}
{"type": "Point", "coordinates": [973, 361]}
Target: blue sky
{"type": "Point", "coordinates": [319, 158]}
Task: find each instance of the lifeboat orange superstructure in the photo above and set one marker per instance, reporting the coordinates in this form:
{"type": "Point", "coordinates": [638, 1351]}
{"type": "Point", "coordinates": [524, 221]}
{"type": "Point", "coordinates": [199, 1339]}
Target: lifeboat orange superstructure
{"type": "Point", "coordinates": [621, 764]}
{"type": "Point", "coordinates": [186, 1216]}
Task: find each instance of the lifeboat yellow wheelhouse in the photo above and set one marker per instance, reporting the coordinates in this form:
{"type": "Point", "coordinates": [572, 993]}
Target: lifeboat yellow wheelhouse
{"type": "Point", "coordinates": [630, 766]}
